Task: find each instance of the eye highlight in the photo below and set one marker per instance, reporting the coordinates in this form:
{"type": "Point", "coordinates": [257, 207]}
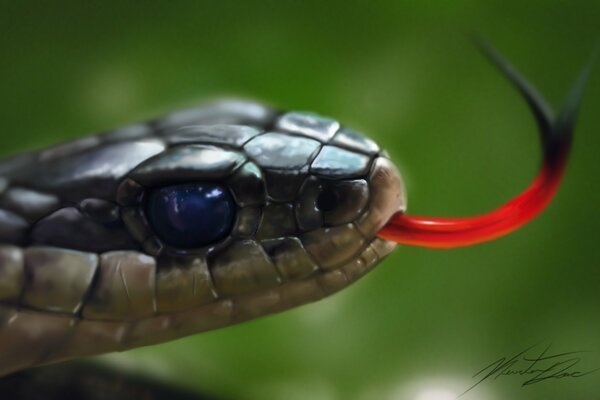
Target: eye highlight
{"type": "Point", "coordinates": [191, 215]}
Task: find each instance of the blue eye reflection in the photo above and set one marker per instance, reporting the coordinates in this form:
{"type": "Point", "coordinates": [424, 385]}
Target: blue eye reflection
{"type": "Point", "coordinates": [190, 215]}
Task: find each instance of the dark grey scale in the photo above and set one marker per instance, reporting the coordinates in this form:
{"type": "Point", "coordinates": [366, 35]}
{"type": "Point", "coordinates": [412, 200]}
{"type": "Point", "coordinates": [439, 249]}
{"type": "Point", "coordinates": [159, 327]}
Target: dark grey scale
{"type": "Point", "coordinates": [124, 287]}
{"type": "Point", "coordinates": [308, 125]}
{"type": "Point", "coordinates": [285, 160]}
{"type": "Point", "coordinates": [242, 267]}
{"type": "Point", "coordinates": [247, 222]}
{"type": "Point", "coordinates": [154, 246]}
{"type": "Point", "coordinates": [136, 222]}
{"type": "Point", "coordinates": [94, 172]}
{"type": "Point", "coordinates": [331, 247]}
{"type": "Point", "coordinates": [30, 204]}
{"type": "Point", "coordinates": [3, 185]}
{"type": "Point", "coordinates": [283, 185]}
{"type": "Point", "coordinates": [290, 258]}
{"type": "Point", "coordinates": [229, 112]}
{"type": "Point", "coordinates": [129, 193]}
{"type": "Point", "coordinates": [127, 133]}
{"type": "Point", "coordinates": [70, 228]}
{"type": "Point", "coordinates": [43, 265]}
{"type": "Point", "coordinates": [247, 185]}
{"type": "Point", "coordinates": [13, 228]}
{"type": "Point", "coordinates": [12, 273]}
{"type": "Point", "coordinates": [278, 220]}
{"type": "Point", "coordinates": [280, 151]}
{"type": "Point", "coordinates": [229, 135]}
{"type": "Point", "coordinates": [99, 210]}
{"type": "Point", "coordinates": [336, 163]}
{"type": "Point", "coordinates": [355, 141]}
{"type": "Point", "coordinates": [69, 149]}
{"type": "Point", "coordinates": [186, 164]}
{"type": "Point", "coordinates": [182, 282]}
{"type": "Point", "coordinates": [12, 165]}
{"type": "Point", "coordinates": [308, 213]}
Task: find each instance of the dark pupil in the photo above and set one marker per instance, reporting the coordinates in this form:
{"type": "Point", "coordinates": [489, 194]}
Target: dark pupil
{"type": "Point", "coordinates": [191, 215]}
{"type": "Point", "coordinates": [327, 200]}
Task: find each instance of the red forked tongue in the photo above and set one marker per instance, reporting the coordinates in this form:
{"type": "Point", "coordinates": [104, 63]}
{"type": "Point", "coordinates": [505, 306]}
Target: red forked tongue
{"type": "Point", "coordinates": [556, 134]}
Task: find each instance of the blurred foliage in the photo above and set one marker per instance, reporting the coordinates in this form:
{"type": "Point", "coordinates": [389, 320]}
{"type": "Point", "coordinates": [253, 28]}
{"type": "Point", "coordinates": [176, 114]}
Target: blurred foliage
{"type": "Point", "coordinates": [405, 73]}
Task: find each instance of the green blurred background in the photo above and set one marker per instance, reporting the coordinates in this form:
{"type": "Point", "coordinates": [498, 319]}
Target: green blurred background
{"type": "Point", "coordinates": [425, 321]}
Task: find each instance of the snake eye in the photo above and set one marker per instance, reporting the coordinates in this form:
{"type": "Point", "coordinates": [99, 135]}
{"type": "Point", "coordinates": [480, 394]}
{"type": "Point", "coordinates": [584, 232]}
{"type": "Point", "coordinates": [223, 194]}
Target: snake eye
{"type": "Point", "coordinates": [190, 215]}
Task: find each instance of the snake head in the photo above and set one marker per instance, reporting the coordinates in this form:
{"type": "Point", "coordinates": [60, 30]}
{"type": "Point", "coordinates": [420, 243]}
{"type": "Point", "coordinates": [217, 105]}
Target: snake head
{"type": "Point", "coordinates": [194, 221]}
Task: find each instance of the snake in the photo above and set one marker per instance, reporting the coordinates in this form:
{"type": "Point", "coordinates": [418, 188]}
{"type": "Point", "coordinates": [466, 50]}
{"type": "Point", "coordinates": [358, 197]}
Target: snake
{"type": "Point", "coordinates": [215, 215]}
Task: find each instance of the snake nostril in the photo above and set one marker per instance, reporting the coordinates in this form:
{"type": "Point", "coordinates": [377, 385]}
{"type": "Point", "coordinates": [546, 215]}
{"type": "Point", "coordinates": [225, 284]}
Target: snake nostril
{"type": "Point", "coordinates": [328, 200]}
{"type": "Point", "coordinates": [191, 215]}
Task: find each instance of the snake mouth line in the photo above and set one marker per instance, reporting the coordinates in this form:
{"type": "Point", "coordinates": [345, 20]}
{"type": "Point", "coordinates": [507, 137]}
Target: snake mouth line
{"type": "Point", "coordinates": [556, 133]}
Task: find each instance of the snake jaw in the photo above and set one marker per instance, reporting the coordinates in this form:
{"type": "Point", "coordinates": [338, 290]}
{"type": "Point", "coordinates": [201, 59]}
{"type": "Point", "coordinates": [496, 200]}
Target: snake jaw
{"type": "Point", "coordinates": [556, 135]}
